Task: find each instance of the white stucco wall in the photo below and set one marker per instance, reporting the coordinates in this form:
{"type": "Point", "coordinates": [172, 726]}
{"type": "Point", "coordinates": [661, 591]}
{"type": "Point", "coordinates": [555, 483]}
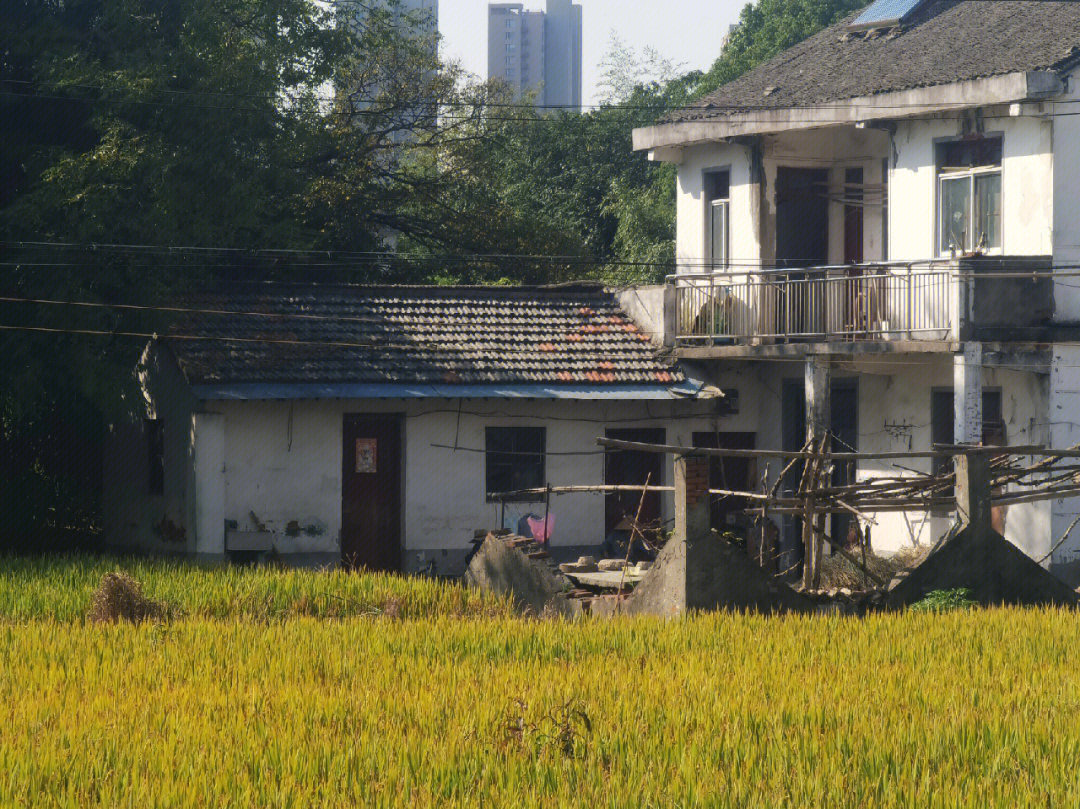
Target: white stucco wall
{"type": "Point", "coordinates": [1027, 167]}
{"type": "Point", "coordinates": [894, 401]}
{"type": "Point", "coordinates": [895, 415]}
{"type": "Point", "coordinates": [282, 463]}
{"type": "Point", "coordinates": [1066, 141]}
{"type": "Point", "coordinates": [1064, 428]}
{"type": "Point", "coordinates": [690, 204]}
{"type": "Point", "coordinates": [835, 149]}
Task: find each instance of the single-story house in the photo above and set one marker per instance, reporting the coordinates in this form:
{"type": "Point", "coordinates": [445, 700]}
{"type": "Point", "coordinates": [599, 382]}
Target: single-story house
{"type": "Point", "coordinates": [372, 425]}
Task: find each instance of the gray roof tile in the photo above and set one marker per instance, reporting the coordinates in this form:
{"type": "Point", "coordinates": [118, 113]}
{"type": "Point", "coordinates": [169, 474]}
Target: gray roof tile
{"type": "Point", "coordinates": [944, 42]}
{"type": "Point", "coordinates": [426, 335]}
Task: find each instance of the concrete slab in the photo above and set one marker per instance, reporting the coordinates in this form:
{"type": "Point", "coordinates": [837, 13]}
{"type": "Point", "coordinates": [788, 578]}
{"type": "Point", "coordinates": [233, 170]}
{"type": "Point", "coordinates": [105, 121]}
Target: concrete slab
{"type": "Point", "coordinates": [503, 566]}
{"type": "Point", "coordinates": [709, 573]}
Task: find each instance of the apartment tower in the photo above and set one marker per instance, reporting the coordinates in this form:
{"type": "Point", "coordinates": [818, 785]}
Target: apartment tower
{"type": "Point", "coordinates": [537, 51]}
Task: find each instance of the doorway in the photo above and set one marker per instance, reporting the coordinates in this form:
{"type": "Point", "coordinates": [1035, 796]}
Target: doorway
{"type": "Point", "coordinates": [733, 474]}
{"type": "Point", "coordinates": [844, 424]}
{"type": "Point", "coordinates": [633, 468]}
{"type": "Point", "coordinates": [371, 492]}
{"type": "Point", "coordinates": [802, 240]}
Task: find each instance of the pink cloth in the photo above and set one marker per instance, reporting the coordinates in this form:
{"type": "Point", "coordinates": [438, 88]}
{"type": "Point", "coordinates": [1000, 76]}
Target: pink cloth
{"type": "Point", "coordinates": [541, 529]}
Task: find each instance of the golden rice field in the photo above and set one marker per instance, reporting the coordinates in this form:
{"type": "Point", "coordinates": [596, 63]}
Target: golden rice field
{"type": "Point", "coordinates": [60, 588]}
{"type": "Point", "coordinates": [978, 709]}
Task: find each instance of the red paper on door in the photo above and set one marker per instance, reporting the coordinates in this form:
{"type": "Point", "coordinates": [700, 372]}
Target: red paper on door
{"type": "Point", "coordinates": [367, 455]}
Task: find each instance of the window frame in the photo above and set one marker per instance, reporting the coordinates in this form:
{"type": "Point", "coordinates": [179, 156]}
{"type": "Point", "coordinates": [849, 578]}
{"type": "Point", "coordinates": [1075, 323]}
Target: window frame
{"type": "Point", "coordinates": [714, 201]}
{"type": "Point", "coordinates": [491, 458]}
{"type": "Point", "coordinates": [969, 174]}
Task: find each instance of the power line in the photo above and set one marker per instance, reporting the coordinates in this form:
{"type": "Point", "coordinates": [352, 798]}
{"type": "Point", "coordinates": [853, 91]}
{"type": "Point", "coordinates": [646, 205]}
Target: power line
{"type": "Point", "coordinates": [658, 107]}
{"type": "Point", "coordinates": [401, 108]}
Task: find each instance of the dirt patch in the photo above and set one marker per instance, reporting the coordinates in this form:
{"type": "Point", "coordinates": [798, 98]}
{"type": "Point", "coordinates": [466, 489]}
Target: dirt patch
{"type": "Point", "coordinates": [990, 567]}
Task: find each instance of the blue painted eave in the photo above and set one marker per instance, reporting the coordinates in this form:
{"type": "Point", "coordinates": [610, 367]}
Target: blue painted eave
{"type": "Point", "coordinates": [264, 391]}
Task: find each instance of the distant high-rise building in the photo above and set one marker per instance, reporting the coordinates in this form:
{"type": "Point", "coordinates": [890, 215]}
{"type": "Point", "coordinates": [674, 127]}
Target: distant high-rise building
{"type": "Point", "coordinates": [418, 19]}
{"type": "Point", "coordinates": [537, 51]}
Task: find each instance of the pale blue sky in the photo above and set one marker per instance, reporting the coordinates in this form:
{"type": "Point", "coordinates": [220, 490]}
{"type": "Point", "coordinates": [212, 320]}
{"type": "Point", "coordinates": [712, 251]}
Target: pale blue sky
{"type": "Point", "coordinates": [685, 31]}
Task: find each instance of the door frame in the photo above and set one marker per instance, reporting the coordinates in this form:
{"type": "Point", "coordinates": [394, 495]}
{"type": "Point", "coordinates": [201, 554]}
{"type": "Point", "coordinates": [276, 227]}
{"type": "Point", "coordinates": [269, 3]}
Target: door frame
{"type": "Point", "coordinates": [398, 419]}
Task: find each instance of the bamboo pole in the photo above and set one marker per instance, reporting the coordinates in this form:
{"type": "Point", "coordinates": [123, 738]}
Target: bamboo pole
{"type": "Point", "coordinates": [638, 446]}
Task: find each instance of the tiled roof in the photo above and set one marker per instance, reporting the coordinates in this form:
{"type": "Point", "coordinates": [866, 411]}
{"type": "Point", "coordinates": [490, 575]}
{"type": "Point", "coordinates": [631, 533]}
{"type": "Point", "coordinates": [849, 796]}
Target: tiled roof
{"type": "Point", "coordinates": [423, 335]}
{"type": "Point", "coordinates": [944, 42]}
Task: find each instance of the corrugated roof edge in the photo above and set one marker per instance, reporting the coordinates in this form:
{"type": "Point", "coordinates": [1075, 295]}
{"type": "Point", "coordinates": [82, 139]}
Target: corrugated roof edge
{"type": "Point", "coordinates": [688, 389]}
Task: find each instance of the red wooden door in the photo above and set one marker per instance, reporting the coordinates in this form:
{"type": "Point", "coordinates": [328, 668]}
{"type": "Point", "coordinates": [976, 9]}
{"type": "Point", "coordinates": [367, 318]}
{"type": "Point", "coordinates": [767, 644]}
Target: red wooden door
{"type": "Point", "coordinates": [371, 492]}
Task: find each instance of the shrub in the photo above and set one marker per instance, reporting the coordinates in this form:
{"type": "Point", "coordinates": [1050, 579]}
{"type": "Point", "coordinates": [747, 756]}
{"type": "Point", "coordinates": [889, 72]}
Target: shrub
{"type": "Point", "coordinates": [119, 597]}
{"type": "Point", "coordinates": [945, 601]}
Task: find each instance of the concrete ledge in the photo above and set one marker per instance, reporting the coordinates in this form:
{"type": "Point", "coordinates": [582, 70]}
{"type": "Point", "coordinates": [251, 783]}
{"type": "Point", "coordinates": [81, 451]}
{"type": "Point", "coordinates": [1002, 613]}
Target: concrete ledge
{"type": "Point", "coordinates": [689, 351]}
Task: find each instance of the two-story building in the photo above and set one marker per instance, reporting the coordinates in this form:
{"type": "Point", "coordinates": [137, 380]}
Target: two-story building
{"type": "Point", "coordinates": [889, 212]}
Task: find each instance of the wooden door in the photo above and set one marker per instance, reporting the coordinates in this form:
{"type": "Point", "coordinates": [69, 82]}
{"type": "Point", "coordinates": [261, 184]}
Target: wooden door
{"type": "Point", "coordinates": [371, 492]}
{"type": "Point", "coordinates": [629, 468]}
{"type": "Point", "coordinates": [802, 240]}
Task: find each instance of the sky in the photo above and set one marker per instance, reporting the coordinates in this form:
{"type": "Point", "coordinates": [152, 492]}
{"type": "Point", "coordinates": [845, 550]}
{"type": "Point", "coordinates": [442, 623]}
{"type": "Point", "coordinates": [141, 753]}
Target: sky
{"type": "Point", "coordinates": [688, 32]}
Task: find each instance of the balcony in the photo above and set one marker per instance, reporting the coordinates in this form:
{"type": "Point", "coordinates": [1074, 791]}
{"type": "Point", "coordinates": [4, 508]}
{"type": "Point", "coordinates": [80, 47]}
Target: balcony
{"type": "Point", "coordinates": [909, 301]}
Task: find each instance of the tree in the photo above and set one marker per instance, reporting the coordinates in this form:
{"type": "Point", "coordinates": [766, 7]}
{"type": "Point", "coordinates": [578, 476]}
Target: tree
{"type": "Point", "coordinates": [767, 27]}
{"type": "Point", "coordinates": [205, 124]}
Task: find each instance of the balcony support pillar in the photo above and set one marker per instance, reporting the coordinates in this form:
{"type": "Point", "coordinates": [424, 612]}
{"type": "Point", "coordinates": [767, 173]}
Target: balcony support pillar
{"type": "Point", "coordinates": [967, 394]}
{"type": "Point", "coordinates": [818, 379]}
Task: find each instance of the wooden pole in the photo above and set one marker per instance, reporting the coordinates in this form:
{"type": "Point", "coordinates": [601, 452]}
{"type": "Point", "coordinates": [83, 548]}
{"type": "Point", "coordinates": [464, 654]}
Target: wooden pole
{"type": "Point", "coordinates": [943, 452]}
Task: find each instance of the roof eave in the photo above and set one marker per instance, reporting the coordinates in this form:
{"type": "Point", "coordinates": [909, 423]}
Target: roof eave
{"type": "Point", "coordinates": [1003, 89]}
{"type": "Point", "coordinates": [685, 389]}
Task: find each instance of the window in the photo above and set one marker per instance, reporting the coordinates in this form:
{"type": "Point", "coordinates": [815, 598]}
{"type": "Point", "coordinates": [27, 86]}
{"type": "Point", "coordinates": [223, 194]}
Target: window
{"type": "Point", "coordinates": [969, 195]}
{"type": "Point", "coordinates": [515, 459]}
{"type": "Point", "coordinates": [155, 446]}
{"type": "Point", "coordinates": [717, 189]}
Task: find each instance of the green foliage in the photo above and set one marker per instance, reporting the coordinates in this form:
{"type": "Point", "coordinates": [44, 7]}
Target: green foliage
{"type": "Point", "coordinates": [945, 601]}
{"type": "Point", "coordinates": [766, 27]}
{"type": "Point", "coordinates": [207, 124]}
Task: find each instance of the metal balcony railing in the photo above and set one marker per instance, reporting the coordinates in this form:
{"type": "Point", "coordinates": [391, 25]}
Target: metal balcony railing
{"type": "Point", "coordinates": [851, 302]}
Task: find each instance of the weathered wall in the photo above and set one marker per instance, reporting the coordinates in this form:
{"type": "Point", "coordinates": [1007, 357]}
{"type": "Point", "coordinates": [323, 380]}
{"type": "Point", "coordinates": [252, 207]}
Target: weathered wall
{"type": "Point", "coordinates": [134, 517]}
{"type": "Point", "coordinates": [691, 208]}
{"type": "Point", "coordinates": [280, 462]}
{"type": "Point", "coordinates": [1064, 428]}
{"type": "Point", "coordinates": [894, 415]}
{"type": "Point", "coordinates": [836, 148]}
{"type": "Point", "coordinates": [1027, 169]}
{"type": "Point", "coordinates": [1066, 203]}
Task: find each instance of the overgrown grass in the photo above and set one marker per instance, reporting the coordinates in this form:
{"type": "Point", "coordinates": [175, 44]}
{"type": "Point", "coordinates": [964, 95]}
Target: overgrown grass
{"type": "Point", "coordinates": [60, 588]}
{"type": "Point", "coordinates": [964, 709]}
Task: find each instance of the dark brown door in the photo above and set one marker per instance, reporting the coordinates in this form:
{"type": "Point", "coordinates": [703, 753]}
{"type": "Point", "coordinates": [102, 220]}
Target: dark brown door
{"type": "Point", "coordinates": [853, 216]}
{"type": "Point", "coordinates": [802, 240]}
{"type": "Point", "coordinates": [371, 492]}
{"type": "Point", "coordinates": [628, 468]}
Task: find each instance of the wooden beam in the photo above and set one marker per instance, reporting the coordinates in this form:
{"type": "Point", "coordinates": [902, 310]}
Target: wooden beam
{"type": "Point", "coordinates": [637, 446]}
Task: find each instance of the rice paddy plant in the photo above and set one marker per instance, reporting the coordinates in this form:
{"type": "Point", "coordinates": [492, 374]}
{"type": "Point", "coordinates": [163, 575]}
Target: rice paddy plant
{"type": "Point", "coordinates": [61, 588]}
{"type": "Point", "coordinates": [959, 709]}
